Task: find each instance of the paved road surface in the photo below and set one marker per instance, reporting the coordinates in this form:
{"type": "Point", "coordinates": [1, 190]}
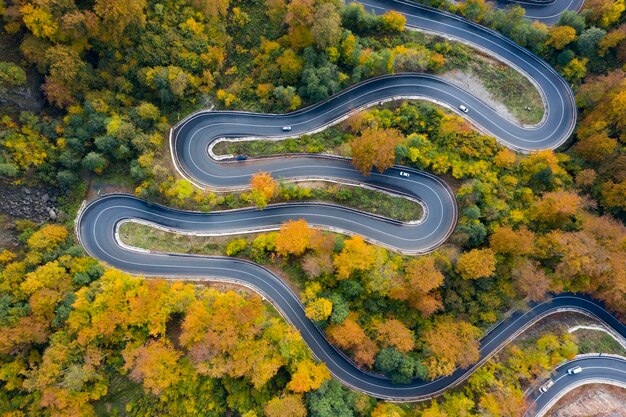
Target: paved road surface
{"type": "Point", "coordinates": [595, 369]}
{"type": "Point", "coordinates": [546, 11]}
{"type": "Point", "coordinates": [97, 226]}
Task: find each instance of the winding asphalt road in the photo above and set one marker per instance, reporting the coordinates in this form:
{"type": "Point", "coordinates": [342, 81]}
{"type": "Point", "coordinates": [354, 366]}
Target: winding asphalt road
{"type": "Point", "coordinates": [97, 228]}
{"type": "Point", "coordinates": [595, 369]}
{"type": "Point", "coordinates": [545, 11]}
{"type": "Point", "coordinates": [98, 222]}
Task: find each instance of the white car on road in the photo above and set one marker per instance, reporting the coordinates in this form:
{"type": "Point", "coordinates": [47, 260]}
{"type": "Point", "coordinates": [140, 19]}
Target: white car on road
{"type": "Point", "coordinates": [575, 370]}
{"type": "Point", "coordinates": [546, 386]}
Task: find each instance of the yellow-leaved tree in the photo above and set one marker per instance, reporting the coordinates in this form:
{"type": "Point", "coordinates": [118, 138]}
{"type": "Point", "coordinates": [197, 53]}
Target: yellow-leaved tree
{"type": "Point", "coordinates": [263, 188]}
{"type": "Point", "coordinates": [356, 255]}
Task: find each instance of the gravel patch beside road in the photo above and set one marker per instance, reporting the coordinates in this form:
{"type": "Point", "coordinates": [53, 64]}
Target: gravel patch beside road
{"type": "Point", "coordinates": [475, 86]}
{"type": "Point", "coordinates": [591, 401]}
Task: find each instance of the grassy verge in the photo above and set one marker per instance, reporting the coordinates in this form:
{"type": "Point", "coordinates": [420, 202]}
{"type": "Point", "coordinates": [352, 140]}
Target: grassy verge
{"type": "Point", "coordinates": [595, 341]}
{"type": "Point", "coordinates": [322, 142]}
{"type": "Point", "coordinates": [587, 340]}
{"type": "Point", "coordinates": [370, 201]}
{"type": "Point", "coordinates": [367, 200]}
{"type": "Point", "coordinates": [510, 88]}
{"type": "Point", "coordinates": [146, 237]}
{"type": "Point", "coordinates": [504, 84]}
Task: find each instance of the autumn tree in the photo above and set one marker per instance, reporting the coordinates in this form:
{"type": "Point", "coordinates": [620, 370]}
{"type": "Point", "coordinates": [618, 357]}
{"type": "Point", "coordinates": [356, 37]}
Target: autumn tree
{"type": "Point", "coordinates": [609, 285]}
{"type": "Point", "coordinates": [375, 148]}
{"type": "Point", "coordinates": [7, 256]}
{"type": "Point", "coordinates": [477, 263]}
{"type": "Point", "coordinates": [212, 8]}
{"type": "Point", "coordinates": [262, 187]}
{"type": "Point", "coordinates": [613, 39]}
{"type": "Point", "coordinates": [326, 27]}
{"type": "Point", "coordinates": [451, 344]}
{"type": "Point", "coordinates": [380, 276]}
{"type": "Point", "coordinates": [66, 75]}
{"type": "Point", "coordinates": [586, 178]}
{"type": "Point", "coordinates": [561, 36]}
{"type": "Point", "coordinates": [504, 400]}
{"type": "Point", "coordinates": [475, 10]}
{"type": "Point", "coordinates": [350, 336]}
{"type": "Point", "coordinates": [505, 158]}
{"type": "Point", "coordinates": [356, 255]}
{"type": "Point", "coordinates": [614, 194]}
{"type": "Point", "coordinates": [11, 75]}
{"type": "Point", "coordinates": [154, 364]}
{"type": "Point", "coordinates": [222, 333]}
{"type": "Point", "coordinates": [24, 148]}
{"type": "Point", "coordinates": [299, 18]}
{"type": "Point", "coordinates": [319, 309]}
{"type": "Point", "coordinates": [295, 237]}
{"type": "Point", "coordinates": [235, 246]}
{"type": "Point", "coordinates": [285, 406]}
{"type": "Point", "coordinates": [385, 409]}
{"type": "Point", "coordinates": [393, 333]}
{"type": "Point", "coordinates": [393, 21]}
{"type": "Point", "coordinates": [417, 285]}
{"type": "Point", "coordinates": [117, 15]}
{"type": "Point", "coordinates": [508, 241]}
{"type": "Point", "coordinates": [47, 238]}
{"type": "Point", "coordinates": [557, 209]}
{"type": "Point", "coordinates": [290, 65]}
{"type": "Point", "coordinates": [530, 280]}
{"type": "Point", "coordinates": [39, 21]}
{"type": "Point", "coordinates": [308, 376]}
{"type": "Point", "coordinates": [320, 260]}
{"type": "Point", "coordinates": [575, 70]}
{"type": "Point", "coordinates": [276, 10]}
{"type": "Point", "coordinates": [604, 12]}
{"type": "Point", "coordinates": [596, 147]}
{"type": "Point", "coordinates": [434, 410]}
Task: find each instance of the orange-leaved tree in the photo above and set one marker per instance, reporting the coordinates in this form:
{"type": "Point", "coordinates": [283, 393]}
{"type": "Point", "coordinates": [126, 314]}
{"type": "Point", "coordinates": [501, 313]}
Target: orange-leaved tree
{"type": "Point", "coordinates": [350, 336]}
{"type": "Point", "coordinates": [308, 376]}
{"type": "Point", "coordinates": [393, 333]}
{"type": "Point", "coordinates": [295, 237]}
{"type": "Point", "coordinates": [450, 343]}
{"type": "Point", "coordinates": [530, 280]}
{"type": "Point", "coordinates": [417, 285]}
{"type": "Point", "coordinates": [556, 209]}
{"type": "Point", "coordinates": [263, 188]}
{"type": "Point", "coordinates": [506, 240]}
{"type": "Point", "coordinates": [155, 364]}
{"type": "Point", "coordinates": [375, 148]}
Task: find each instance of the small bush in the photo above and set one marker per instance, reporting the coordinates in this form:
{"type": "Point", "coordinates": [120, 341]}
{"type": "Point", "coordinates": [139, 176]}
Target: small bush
{"type": "Point", "coordinates": [235, 246]}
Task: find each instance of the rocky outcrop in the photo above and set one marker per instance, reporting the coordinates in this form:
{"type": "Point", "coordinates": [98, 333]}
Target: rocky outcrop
{"type": "Point", "coordinates": [34, 203]}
